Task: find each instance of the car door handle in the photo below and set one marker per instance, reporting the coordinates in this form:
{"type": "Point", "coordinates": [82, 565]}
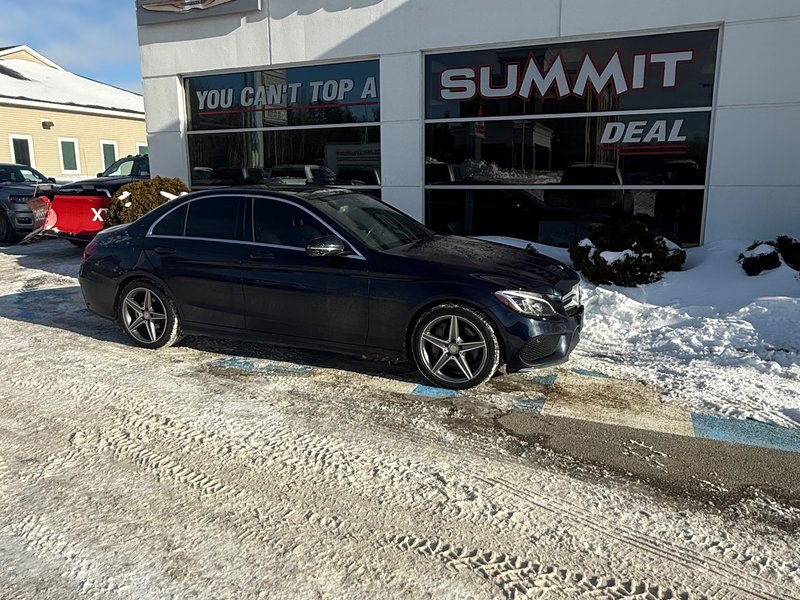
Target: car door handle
{"type": "Point", "coordinates": [164, 250]}
{"type": "Point", "coordinates": [262, 256]}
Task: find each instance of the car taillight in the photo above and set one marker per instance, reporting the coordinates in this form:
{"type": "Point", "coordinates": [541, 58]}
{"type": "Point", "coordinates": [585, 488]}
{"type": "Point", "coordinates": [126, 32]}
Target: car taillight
{"type": "Point", "coordinates": [90, 248]}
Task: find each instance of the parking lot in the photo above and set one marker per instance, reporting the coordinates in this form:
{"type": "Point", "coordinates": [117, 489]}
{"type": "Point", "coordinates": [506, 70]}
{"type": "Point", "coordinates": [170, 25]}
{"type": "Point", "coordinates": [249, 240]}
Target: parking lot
{"type": "Point", "coordinates": [229, 470]}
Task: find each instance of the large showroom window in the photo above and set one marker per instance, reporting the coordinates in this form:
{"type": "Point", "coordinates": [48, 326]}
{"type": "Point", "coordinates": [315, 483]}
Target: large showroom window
{"type": "Point", "coordinates": [546, 142]}
{"type": "Point", "coordinates": [318, 124]}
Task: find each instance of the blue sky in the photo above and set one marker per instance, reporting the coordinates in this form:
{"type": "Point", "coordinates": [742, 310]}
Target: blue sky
{"type": "Point", "coordinates": [93, 38]}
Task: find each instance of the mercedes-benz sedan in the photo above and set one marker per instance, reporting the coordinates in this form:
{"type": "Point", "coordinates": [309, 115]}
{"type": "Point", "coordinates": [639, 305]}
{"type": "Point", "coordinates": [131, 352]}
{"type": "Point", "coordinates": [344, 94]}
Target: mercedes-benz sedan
{"type": "Point", "coordinates": [332, 270]}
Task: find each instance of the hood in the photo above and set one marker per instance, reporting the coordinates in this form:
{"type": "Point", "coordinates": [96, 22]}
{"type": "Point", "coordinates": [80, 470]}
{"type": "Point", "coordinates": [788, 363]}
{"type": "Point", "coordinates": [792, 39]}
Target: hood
{"type": "Point", "coordinates": [111, 184]}
{"type": "Point", "coordinates": [27, 189]}
{"type": "Point", "coordinates": [499, 264]}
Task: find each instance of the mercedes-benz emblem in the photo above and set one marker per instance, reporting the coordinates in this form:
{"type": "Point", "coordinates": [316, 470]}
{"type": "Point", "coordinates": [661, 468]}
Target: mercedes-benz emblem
{"type": "Point", "coordinates": [182, 5]}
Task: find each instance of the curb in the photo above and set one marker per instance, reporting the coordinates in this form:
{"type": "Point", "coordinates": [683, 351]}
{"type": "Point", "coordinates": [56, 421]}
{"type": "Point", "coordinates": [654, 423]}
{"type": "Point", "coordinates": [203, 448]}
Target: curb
{"type": "Point", "coordinates": [660, 418]}
{"type": "Point", "coordinates": [651, 416]}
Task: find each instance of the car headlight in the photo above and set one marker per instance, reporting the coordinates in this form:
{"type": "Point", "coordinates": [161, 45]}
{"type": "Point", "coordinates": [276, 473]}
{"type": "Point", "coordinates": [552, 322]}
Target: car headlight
{"type": "Point", "coordinates": [529, 304]}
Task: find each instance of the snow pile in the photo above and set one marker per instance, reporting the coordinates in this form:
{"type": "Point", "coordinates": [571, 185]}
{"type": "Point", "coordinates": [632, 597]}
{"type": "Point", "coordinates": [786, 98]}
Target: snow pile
{"type": "Point", "coordinates": [759, 250]}
{"type": "Point", "coordinates": [482, 170]}
{"type": "Point", "coordinates": [708, 337]}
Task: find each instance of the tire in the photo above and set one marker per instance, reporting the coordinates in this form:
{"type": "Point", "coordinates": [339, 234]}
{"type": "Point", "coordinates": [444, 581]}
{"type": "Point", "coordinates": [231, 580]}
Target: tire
{"type": "Point", "coordinates": [148, 315]}
{"type": "Point", "coordinates": [7, 233]}
{"type": "Point", "coordinates": [454, 346]}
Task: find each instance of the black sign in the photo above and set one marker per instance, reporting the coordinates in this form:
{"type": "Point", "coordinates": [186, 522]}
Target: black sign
{"type": "Point", "coordinates": [326, 94]}
{"type": "Point", "coordinates": [637, 73]}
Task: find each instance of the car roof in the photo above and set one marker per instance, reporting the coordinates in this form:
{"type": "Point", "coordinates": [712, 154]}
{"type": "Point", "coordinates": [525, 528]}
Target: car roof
{"type": "Point", "coordinates": [303, 192]}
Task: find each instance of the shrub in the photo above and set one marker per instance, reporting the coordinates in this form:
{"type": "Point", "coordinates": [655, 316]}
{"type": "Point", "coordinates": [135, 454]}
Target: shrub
{"type": "Point", "coordinates": [790, 251]}
{"type": "Point", "coordinates": [634, 255]}
{"type": "Point", "coordinates": [144, 197]}
{"type": "Point", "coordinates": [765, 256]}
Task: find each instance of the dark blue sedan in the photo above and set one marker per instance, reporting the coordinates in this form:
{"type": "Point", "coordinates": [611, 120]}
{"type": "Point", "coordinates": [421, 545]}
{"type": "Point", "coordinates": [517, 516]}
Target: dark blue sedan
{"type": "Point", "coordinates": [332, 270]}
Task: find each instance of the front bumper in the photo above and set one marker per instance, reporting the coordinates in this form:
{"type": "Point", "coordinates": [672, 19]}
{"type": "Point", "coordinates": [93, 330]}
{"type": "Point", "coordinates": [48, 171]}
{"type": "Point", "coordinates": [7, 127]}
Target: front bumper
{"type": "Point", "coordinates": [536, 343]}
{"type": "Point", "coordinates": [20, 216]}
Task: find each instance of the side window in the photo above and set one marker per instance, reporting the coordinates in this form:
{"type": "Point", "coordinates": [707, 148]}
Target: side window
{"type": "Point", "coordinates": [121, 168]}
{"type": "Point", "coordinates": [173, 223]}
{"type": "Point", "coordinates": [284, 224]}
{"type": "Point", "coordinates": [141, 167]}
{"type": "Point", "coordinates": [216, 217]}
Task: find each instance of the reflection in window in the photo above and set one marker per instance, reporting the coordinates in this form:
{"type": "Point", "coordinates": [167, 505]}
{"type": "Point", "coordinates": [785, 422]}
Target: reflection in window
{"type": "Point", "coordinates": [284, 224]}
{"type": "Point", "coordinates": [216, 218]}
{"type": "Point", "coordinates": [286, 156]}
{"type": "Point", "coordinates": [561, 217]}
{"type": "Point", "coordinates": [173, 223]}
{"type": "Point", "coordinates": [633, 150]}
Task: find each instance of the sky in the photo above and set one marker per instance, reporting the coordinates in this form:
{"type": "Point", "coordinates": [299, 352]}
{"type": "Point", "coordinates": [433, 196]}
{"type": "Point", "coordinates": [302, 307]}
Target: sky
{"type": "Point", "coordinates": [93, 38]}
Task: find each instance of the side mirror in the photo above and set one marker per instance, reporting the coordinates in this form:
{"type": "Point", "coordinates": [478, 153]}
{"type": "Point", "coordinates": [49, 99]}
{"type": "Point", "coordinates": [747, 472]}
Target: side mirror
{"type": "Point", "coordinates": [329, 245]}
{"type": "Point", "coordinates": [51, 179]}
{"type": "Point", "coordinates": [100, 174]}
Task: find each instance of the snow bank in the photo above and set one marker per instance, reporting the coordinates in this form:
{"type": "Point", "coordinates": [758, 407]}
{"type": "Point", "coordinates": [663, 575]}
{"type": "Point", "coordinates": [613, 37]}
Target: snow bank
{"type": "Point", "coordinates": [709, 337]}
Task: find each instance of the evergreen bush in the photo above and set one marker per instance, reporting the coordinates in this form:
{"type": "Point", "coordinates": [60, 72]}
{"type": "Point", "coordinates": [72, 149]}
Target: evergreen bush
{"type": "Point", "coordinates": [641, 256]}
{"type": "Point", "coordinates": [144, 197]}
{"type": "Point", "coordinates": [755, 262]}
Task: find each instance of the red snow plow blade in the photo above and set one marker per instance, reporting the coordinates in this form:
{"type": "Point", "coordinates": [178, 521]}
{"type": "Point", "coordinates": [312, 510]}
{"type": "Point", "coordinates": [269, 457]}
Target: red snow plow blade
{"type": "Point", "coordinates": [76, 217]}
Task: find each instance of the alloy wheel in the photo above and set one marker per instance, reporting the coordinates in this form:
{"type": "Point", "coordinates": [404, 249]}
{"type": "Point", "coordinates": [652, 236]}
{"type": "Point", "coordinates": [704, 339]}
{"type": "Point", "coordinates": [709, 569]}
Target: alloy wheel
{"type": "Point", "coordinates": [144, 315]}
{"type": "Point", "coordinates": [453, 348]}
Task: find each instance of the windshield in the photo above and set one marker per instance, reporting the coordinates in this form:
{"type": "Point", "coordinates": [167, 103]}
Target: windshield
{"type": "Point", "coordinates": [374, 223]}
{"type": "Point", "coordinates": [127, 167]}
{"type": "Point", "coordinates": [15, 174]}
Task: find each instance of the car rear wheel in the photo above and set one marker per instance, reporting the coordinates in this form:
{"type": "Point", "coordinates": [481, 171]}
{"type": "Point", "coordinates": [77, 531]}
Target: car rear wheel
{"type": "Point", "coordinates": [455, 346]}
{"type": "Point", "coordinates": [148, 315]}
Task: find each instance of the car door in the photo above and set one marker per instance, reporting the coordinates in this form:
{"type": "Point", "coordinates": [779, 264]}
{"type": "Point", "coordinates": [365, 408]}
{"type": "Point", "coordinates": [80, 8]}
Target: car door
{"type": "Point", "coordinates": [289, 294]}
{"type": "Point", "coordinates": [197, 250]}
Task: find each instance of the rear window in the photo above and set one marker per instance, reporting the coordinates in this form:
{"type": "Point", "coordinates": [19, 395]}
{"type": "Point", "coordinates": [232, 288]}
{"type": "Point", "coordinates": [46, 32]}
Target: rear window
{"type": "Point", "coordinates": [172, 224]}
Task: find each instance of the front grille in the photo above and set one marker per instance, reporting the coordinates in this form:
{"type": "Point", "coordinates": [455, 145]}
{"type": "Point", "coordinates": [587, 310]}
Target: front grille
{"type": "Point", "coordinates": [539, 347]}
{"type": "Point", "coordinates": [19, 199]}
{"type": "Point", "coordinates": [571, 301]}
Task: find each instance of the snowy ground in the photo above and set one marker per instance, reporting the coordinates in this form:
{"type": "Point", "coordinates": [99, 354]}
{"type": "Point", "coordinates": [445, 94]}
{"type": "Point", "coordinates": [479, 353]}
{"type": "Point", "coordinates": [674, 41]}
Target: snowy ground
{"type": "Point", "coordinates": [709, 337]}
{"type": "Point", "coordinates": [219, 470]}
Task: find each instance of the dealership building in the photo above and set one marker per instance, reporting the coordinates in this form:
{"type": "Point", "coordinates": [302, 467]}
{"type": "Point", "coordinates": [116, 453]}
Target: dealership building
{"type": "Point", "coordinates": [528, 119]}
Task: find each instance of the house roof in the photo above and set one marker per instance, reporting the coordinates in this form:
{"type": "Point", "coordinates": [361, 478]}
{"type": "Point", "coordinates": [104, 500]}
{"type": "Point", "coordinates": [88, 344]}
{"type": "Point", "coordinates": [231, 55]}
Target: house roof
{"type": "Point", "coordinates": [25, 81]}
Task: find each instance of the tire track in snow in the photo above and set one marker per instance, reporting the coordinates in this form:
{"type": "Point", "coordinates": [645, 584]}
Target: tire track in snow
{"type": "Point", "coordinates": [660, 548]}
{"type": "Point", "coordinates": [310, 447]}
{"type": "Point", "coordinates": [512, 576]}
{"type": "Point", "coordinates": [319, 458]}
{"type": "Point", "coordinates": [521, 578]}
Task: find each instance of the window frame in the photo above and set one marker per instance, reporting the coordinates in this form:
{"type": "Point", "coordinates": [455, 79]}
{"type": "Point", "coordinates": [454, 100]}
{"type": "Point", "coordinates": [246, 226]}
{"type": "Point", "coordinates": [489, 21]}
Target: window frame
{"type": "Point", "coordinates": [710, 108]}
{"type": "Point", "coordinates": [29, 140]}
{"type": "Point", "coordinates": [252, 229]}
{"type": "Point", "coordinates": [76, 145]}
{"type": "Point", "coordinates": [103, 144]}
{"type": "Point", "coordinates": [187, 205]}
{"type": "Point", "coordinates": [139, 146]}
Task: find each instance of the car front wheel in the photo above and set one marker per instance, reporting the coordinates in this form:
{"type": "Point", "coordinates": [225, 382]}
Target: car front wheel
{"type": "Point", "coordinates": [7, 233]}
{"type": "Point", "coordinates": [148, 315]}
{"type": "Point", "coordinates": [455, 346]}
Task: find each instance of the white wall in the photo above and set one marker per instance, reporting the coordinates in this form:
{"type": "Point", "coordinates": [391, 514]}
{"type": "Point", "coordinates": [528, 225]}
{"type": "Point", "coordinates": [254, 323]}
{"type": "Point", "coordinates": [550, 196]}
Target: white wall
{"type": "Point", "coordinates": [754, 179]}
